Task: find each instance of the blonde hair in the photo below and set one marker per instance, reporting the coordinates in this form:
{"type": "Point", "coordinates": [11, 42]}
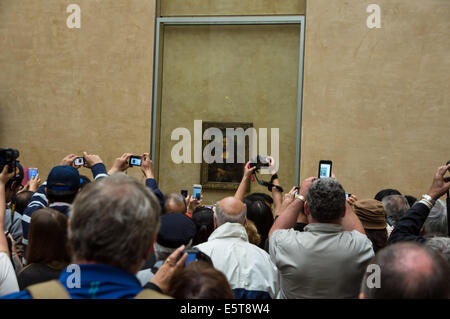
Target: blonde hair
{"type": "Point", "coordinates": [253, 236]}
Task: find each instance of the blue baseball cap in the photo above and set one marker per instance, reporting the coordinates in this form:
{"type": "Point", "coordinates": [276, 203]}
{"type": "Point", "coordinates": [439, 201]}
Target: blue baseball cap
{"type": "Point", "coordinates": [63, 178]}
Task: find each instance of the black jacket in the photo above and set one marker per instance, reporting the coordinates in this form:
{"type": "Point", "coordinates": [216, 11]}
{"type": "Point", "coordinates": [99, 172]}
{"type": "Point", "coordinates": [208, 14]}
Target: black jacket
{"type": "Point", "coordinates": [408, 227]}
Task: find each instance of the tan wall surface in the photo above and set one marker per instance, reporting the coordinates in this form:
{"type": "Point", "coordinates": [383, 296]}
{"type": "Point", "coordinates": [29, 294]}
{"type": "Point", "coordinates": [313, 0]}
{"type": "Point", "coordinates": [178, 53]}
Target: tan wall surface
{"type": "Point", "coordinates": [231, 7]}
{"type": "Point", "coordinates": [376, 101]}
{"type": "Point", "coordinates": [228, 74]}
{"type": "Point", "coordinates": [67, 90]}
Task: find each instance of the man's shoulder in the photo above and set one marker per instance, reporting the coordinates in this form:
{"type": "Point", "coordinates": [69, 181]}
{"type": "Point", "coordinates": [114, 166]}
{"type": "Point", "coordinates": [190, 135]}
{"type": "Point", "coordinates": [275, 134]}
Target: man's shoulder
{"type": "Point", "coordinates": [281, 236]}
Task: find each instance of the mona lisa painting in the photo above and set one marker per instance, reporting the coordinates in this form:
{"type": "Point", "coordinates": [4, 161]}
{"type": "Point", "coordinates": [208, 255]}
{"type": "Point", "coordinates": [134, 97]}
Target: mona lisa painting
{"type": "Point", "coordinates": [225, 168]}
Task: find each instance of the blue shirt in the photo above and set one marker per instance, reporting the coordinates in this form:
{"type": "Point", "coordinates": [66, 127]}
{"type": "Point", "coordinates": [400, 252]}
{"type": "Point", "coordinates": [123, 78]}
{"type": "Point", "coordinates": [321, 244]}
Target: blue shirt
{"type": "Point", "coordinates": [96, 282]}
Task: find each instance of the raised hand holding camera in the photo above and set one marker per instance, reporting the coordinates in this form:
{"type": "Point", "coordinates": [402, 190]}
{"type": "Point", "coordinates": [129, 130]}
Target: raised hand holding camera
{"type": "Point", "coordinates": [91, 160]}
{"type": "Point", "coordinates": [68, 160]}
{"type": "Point", "coordinates": [120, 164]}
{"type": "Point", "coordinates": [147, 166]}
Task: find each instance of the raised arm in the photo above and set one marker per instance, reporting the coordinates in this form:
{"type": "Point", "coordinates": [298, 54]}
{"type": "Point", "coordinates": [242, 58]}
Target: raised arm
{"type": "Point", "coordinates": [288, 217]}
{"type": "Point", "coordinates": [408, 227]}
{"type": "Point", "coordinates": [242, 189]}
{"type": "Point", "coordinates": [150, 182]}
{"type": "Point", "coordinates": [95, 163]}
{"type": "Point", "coordinates": [4, 178]}
{"type": "Point", "coordinates": [276, 195]}
{"type": "Point", "coordinates": [350, 221]}
{"type": "Point", "coordinates": [121, 164]}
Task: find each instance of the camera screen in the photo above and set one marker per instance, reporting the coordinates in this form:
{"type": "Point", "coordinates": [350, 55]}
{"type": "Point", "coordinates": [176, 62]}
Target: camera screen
{"type": "Point", "coordinates": [79, 161]}
{"type": "Point", "coordinates": [32, 172]}
{"type": "Point", "coordinates": [325, 170]}
{"type": "Point", "coordinates": [135, 161]}
{"type": "Point", "coordinates": [197, 193]}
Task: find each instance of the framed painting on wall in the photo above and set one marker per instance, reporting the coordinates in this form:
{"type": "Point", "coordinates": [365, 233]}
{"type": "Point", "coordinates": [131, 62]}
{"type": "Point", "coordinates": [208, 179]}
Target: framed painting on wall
{"type": "Point", "coordinates": [227, 170]}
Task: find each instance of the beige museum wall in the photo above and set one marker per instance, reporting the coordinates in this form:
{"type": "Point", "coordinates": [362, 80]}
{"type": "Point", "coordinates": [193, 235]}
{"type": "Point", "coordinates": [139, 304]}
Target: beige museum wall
{"type": "Point", "coordinates": [376, 101]}
{"type": "Point", "coordinates": [67, 90]}
{"type": "Point", "coordinates": [206, 76]}
{"type": "Point", "coordinates": [173, 8]}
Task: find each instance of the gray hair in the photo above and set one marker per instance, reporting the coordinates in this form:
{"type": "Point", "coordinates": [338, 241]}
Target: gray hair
{"type": "Point", "coordinates": [436, 222]}
{"type": "Point", "coordinates": [163, 252]}
{"type": "Point", "coordinates": [395, 206]}
{"type": "Point", "coordinates": [441, 245]}
{"type": "Point", "coordinates": [222, 217]}
{"type": "Point", "coordinates": [176, 198]}
{"type": "Point", "coordinates": [114, 221]}
{"type": "Point", "coordinates": [326, 199]}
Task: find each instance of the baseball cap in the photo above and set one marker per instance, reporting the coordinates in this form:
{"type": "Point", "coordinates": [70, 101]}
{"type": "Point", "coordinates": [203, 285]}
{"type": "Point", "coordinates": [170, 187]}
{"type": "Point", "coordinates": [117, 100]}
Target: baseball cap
{"type": "Point", "coordinates": [176, 229]}
{"type": "Point", "coordinates": [63, 178]}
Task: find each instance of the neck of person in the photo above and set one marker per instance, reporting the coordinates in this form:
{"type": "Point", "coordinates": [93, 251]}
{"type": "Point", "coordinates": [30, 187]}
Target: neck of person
{"type": "Point", "coordinates": [334, 221]}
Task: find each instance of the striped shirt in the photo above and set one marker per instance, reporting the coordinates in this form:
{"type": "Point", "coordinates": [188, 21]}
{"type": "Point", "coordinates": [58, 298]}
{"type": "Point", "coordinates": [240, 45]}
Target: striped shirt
{"type": "Point", "coordinates": [39, 200]}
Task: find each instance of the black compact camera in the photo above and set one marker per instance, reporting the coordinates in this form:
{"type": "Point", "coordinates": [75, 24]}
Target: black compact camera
{"type": "Point", "coordinates": [261, 161]}
{"type": "Point", "coordinates": [10, 156]}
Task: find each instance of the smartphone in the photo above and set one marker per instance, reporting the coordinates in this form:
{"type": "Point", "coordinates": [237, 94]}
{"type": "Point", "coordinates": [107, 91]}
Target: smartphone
{"type": "Point", "coordinates": [79, 161]}
{"type": "Point", "coordinates": [296, 192]}
{"type": "Point", "coordinates": [197, 193]}
{"type": "Point", "coordinates": [135, 160]}
{"type": "Point", "coordinates": [191, 257]}
{"type": "Point", "coordinates": [184, 192]}
{"type": "Point", "coordinates": [325, 169]}
{"type": "Point", "coordinates": [32, 172]}
{"type": "Point", "coordinates": [347, 195]}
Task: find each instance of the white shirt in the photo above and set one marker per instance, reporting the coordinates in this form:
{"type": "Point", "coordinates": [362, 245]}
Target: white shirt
{"type": "Point", "coordinates": [8, 280]}
{"type": "Point", "coordinates": [246, 266]}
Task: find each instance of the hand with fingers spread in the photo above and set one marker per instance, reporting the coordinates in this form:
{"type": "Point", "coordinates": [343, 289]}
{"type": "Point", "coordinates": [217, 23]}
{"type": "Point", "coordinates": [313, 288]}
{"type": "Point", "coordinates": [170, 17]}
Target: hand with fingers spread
{"type": "Point", "coordinates": [34, 183]}
{"type": "Point", "coordinates": [440, 183]}
{"type": "Point", "coordinates": [90, 160]}
{"type": "Point", "coordinates": [121, 164]}
{"type": "Point", "coordinates": [171, 265]}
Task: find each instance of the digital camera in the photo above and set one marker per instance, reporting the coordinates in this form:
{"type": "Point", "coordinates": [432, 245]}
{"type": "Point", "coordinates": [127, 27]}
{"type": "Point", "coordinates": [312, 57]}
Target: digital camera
{"type": "Point", "coordinates": [10, 156]}
{"type": "Point", "coordinates": [261, 161]}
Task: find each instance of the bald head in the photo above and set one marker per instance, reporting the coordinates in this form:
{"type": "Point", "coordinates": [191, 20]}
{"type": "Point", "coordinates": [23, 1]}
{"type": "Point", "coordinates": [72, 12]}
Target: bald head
{"type": "Point", "coordinates": [231, 206]}
{"type": "Point", "coordinates": [409, 270]}
{"type": "Point", "coordinates": [230, 210]}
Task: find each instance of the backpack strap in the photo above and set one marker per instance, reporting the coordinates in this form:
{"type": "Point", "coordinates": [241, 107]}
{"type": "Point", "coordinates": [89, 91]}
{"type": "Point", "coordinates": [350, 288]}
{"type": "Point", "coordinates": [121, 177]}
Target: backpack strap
{"type": "Point", "coordinates": [48, 290]}
{"type": "Point", "coordinates": [151, 294]}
